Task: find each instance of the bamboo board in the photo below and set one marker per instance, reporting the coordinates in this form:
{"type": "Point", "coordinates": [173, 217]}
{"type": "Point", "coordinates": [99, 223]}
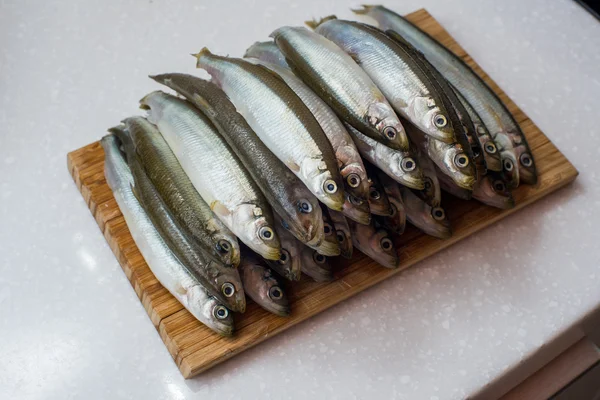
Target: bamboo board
{"type": "Point", "coordinates": [195, 348]}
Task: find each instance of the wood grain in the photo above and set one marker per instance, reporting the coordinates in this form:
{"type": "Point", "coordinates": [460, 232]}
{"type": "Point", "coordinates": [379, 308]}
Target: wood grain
{"type": "Point", "coordinates": [195, 348]}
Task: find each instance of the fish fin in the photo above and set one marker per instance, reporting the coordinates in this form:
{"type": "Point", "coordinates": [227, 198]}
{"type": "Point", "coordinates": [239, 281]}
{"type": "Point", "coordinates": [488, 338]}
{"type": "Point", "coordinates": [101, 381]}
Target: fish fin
{"type": "Point", "coordinates": [203, 52]}
{"type": "Point", "coordinates": [314, 23]}
{"type": "Point", "coordinates": [135, 193]}
{"type": "Point", "coordinates": [219, 209]}
{"type": "Point", "coordinates": [366, 8]}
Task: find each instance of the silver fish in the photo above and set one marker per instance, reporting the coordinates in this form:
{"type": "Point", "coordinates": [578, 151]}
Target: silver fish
{"type": "Point", "coordinates": [215, 171]}
{"type": "Point", "coordinates": [400, 166]}
{"type": "Point", "coordinates": [348, 159]}
{"type": "Point", "coordinates": [316, 265]}
{"type": "Point", "coordinates": [516, 155]}
{"type": "Point", "coordinates": [281, 120]}
{"type": "Point", "coordinates": [375, 243]}
{"type": "Point", "coordinates": [262, 287]}
{"type": "Point", "coordinates": [431, 220]}
{"type": "Point", "coordinates": [288, 196]}
{"type": "Point", "coordinates": [337, 79]}
{"type": "Point", "coordinates": [394, 71]}
{"type": "Point", "coordinates": [378, 200]}
{"type": "Point", "coordinates": [160, 259]}
{"type": "Point", "coordinates": [342, 233]}
{"type": "Point", "coordinates": [432, 193]}
{"type": "Point", "coordinates": [329, 246]}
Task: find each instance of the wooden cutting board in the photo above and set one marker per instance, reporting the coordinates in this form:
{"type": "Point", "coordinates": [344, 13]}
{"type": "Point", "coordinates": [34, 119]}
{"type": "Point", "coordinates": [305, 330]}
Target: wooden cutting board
{"type": "Point", "coordinates": [195, 348]}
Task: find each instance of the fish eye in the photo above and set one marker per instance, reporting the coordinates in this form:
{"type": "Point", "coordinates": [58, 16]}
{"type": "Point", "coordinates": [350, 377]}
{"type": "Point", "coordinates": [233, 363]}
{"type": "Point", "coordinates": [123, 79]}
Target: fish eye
{"type": "Point", "coordinates": [355, 200]}
{"type": "Point", "coordinates": [327, 228]}
{"type": "Point", "coordinates": [319, 258]}
{"type": "Point", "coordinates": [490, 148]}
{"type": "Point", "coordinates": [228, 289]}
{"type": "Point", "coordinates": [304, 206]}
{"type": "Point", "coordinates": [526, 160]}
{"type": "Point", "coordinates": [284, 257]}
{"type": "Point", "coordinates": [330, 186]}
{"type": "Point", "coordinates": [394, 210]}
{"type": "Point", "coordinates": [461, 160]}
{"type": "Point", "coordinates": [224, 246]}
{"type": "Point", "coordinates": [440, 121]}
{"type": "Point", "coordinates": [374, 193]}
{"type": "Point", "coordinates": [408, 164]}
{"type": "Point", "coordinates": [499, 186]}
{"type": "Point", "coordinates": [353, 180]}
{"type": "Point", "coordinates": [476, 151]}
{"type": "Point", "coordinates": [427, 182]}
{"type": "Point", "coordinates": [220, 312]}
{"type": "Point", "coordinates": [275, 293]}
{"type": "Point", "coordinates": [340, 236]}
{"type": "Point", "coordinates": [508, 165]}
{"type": "Point", "coordinates": [390, 132]}
{"type": "Point", "coordinates": [386, 243]}
{"type": "Point", "coordinates": [438, 213]}
{"type": "Point", "coordinates": [265, 233]}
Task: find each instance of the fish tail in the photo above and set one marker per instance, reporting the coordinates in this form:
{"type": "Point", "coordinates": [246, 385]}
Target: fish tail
{"type": "Point", "coordinates": [364, 10]}
{"type": "Point", "coordinates": [312, 24]}
{"type": "Point", "coordinates": [201, 54]}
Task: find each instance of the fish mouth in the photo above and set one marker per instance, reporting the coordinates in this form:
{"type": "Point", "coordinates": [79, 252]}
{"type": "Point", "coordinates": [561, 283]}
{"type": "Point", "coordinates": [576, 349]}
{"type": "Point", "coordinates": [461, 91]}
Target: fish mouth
{"type": "Point", "coordinates": [387, 261]}
{"type": "Point", "coordinates": [328, 248]}
{"type": "Point", "coordinates": [223, 329]}
{"type": "Point", "coordinates": [501, 202]}
{"type": "Point", "coordinates": [527, 177]}
{"type": "Point", "coordinates": [319, 274]}
{"type": "Point", "coordinates": [466, 182]}
{"type": "Point", "coordinates": [237, 303]}
{"type": "Point", "coordinates": [439, 231]}
{"type": "Point", "coordinates": [412, 181]}
{"type": "Point", "coordinates": [283, 310]}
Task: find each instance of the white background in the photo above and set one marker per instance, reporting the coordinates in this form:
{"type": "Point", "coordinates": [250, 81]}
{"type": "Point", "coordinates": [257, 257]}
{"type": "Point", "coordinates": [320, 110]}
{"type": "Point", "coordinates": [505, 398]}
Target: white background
{"type": "Point", "coordinates": [72, 327]}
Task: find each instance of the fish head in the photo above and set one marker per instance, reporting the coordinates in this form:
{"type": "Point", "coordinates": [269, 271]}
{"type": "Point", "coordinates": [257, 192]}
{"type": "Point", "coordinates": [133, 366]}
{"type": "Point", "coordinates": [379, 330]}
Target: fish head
{"type": "Point", "coordinates": [288, 264]}
{"type": "Point", "coordinates": [378, 201]}
{"type": "Point", "coordinates": [263, 287]}
{"type": "Point", "coordinates": [329, 246]}
{"type": "Point", "coordinates": [256, 230]}
{"type": "Point", "coordinates": [405, 170]}
{"type": "Point", "coordinates": [322, 182]}
{"type": "Point", "coordinates": [382, 118]}
{"type": "Point", "coordinates": [490, 151]}
{"type": "Point", "coordinates": [431, 119]}
{"type": "Point", "coordinates": [304, 217]}
{"type": "Point", "coordinates": [227, 248]}
{"type": "Point", "coordinates": [355, 177]}
{"type": "Point", "coordinates": [229, 283]}
{"type": "Point", "coordinates": [397, 221]}
{"type": "Point", "coordinates": [456, 164]}
{"type": "Point", "coordinates": [316, 265]}
{"type": "Point", "coordinates": [431, 220]}
{"type": "Point", "coordinates": [357, 209]}
{"type": "Point", "coordinates": [491, 189]}
{"type": "Point", "coordinates": [527, 170]}
{"type": "Point", "coordinates": [155, 103]}
{"type": "Point", "coordinates": [375, 243]}
{"type": "Point", "coordinates": [210, 311]}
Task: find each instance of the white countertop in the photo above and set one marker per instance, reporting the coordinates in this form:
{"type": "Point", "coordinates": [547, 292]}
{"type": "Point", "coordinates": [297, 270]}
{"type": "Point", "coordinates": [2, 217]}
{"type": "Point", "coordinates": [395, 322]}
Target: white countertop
{"type": "Point", "coordinates": [72, 327]}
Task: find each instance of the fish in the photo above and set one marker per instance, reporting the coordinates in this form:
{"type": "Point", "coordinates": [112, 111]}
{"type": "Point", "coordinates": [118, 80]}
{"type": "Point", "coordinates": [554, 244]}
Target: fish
{"type": "Point", "coordinates": [218, 279]}
{"type": "Point", "coordinates": [316, 265]}
{"type": "Point", "coordinates": [336, 78]}
{"type": "Point", "coordinates": [378, 200]}
{"type": "Point", "coordinates": [396, 222]}
{"type": "Point", "coordinates": [493, 161]}
{"type": "Point", "coordinates": [329, 246]}
{"type": "Point", "coordinates": [431, 220]}
{"type": "Point", "coordinates": [348, 159]}
{"type": "Point", "coordinates": [451, 159]}
{"type": "Point", "coordinates": [192, 213]}
{"type": "Point", "coordinates": [517, 159]}
{"type": "Point", "coordinates": [356, 209]}
{"type": "Point", "coordinates": [289, 262]}
{"type": "Point", "coordinates": [491, 190]}
{"type": "Point", "coordinates": [432, 193]}
{"type": "Point", "coordinates": [393, 69]}
{"type": "Point", "coordinates": [215, 171]}
{"type": "Point", "coordinates": [342, 231]}
{"type": "Point", "coordinates": [165, 266]}
{"type": "Point", "coordinates": [268, 52]}
{"type": "Point", "coordinates": [284, 191]}
{"type": "Point", "coordinates": [398, 165]}
{"type": "Point", "coordinates": [375, 243]}
{"type": "Point", "coordinates": [262, 286]}
{"type": "Point", "coordinates": [281, 120]}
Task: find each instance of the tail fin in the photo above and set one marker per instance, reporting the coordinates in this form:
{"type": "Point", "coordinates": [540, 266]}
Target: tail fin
{"type": "Point", "coordinates": [316, 22]}
{"type": "Point", "coordinates": [366, 9]}
{"type": "Point", "coordinates": [204, 52]}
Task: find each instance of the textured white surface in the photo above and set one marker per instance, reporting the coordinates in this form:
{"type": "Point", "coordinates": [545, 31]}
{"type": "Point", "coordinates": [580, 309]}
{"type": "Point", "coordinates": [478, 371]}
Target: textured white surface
{"type": "Point", "coordinates": [72, 327]}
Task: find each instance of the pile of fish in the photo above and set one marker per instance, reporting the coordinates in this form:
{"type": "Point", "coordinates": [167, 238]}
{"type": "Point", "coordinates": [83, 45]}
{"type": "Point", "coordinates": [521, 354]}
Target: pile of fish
{"type": "Point", "coordinates": [310, 145]}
